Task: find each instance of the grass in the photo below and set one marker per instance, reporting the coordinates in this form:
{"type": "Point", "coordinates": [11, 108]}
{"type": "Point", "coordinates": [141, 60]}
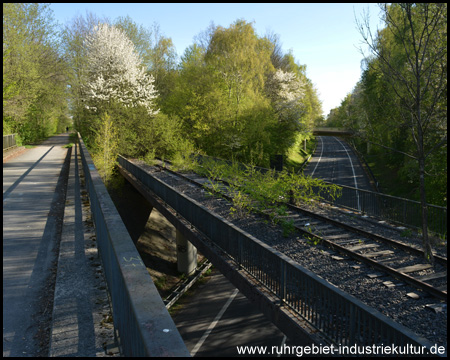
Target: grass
{"type": "Point", "coordinates": [184, 299]}
{"type": "Point", "coordinates": [296, 156]}
{"type": "Point", "coordinates": [294, 161]}
{"type": "Point", "coordinates": [160, 282]}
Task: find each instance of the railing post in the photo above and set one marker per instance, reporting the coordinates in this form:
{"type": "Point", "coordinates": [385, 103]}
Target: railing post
{"type": "Point", "coordinates": [283, 282]}
{"type": "Point", "coordinates": [240, 252]}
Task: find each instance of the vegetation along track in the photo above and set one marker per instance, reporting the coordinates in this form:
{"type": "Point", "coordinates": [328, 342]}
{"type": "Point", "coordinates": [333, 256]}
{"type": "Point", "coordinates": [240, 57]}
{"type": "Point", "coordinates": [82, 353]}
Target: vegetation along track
{"type": "Point", "coordinates": [399, 260]}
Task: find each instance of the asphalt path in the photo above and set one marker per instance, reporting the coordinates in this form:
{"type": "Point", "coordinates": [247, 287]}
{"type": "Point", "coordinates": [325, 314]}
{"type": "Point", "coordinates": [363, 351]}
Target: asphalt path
{"type": "Point", "coordinates": [31, 221]}
{"type": "Point", "coordinates": [217, 320]}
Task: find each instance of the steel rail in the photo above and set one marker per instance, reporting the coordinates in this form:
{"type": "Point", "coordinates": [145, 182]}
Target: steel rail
{"type": "Point", "coordinates": [439, 259]}
{"type": "Point", "coordinates": [391, 271]}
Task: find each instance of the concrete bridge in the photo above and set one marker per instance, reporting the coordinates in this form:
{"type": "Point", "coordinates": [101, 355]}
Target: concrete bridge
{"type": "Point", "coordinates": [329, 131]}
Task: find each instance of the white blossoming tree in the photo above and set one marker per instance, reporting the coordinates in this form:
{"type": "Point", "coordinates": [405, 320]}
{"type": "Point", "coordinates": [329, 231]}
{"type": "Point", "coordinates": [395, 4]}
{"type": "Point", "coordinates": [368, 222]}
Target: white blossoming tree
{"type": "Point", "coordinates": [115, 71]}
{"type": "Point", "coordinates": [287, 92]}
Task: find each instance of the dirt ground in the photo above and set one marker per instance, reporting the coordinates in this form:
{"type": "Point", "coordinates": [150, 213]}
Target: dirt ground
{"type": "Point", "coordinates": [157, 247]}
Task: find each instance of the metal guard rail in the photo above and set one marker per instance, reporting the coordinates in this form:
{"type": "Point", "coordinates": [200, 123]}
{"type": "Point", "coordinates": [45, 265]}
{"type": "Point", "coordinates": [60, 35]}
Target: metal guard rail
{"type": "Point", "coordinates": [342, 319]}
{"type": "Point", "coordinates": [145, 327]}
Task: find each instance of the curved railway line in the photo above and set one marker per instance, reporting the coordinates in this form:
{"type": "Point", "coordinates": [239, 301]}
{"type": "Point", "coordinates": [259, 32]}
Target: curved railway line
{"type": "Point", "coordinates": [401, 261]}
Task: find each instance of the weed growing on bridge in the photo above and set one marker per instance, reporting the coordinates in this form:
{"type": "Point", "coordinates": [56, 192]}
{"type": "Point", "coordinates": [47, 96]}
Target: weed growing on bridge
{"type": "Point", "coordinates": [288, 227]}
{"type": "Point", "coordinates": [241, 203]}
{"type": "Point", "coordinates": [312, 240]}
{"type": "Point", "coordinates": [181, 162]}
{"type": "Point", "coordinates": [252, 188]}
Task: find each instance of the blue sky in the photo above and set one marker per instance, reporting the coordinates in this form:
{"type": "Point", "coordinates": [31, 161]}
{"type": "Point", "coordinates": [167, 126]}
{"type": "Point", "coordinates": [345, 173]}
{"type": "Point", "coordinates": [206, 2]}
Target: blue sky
{"type": "Point", "coordinates": [323, 37]}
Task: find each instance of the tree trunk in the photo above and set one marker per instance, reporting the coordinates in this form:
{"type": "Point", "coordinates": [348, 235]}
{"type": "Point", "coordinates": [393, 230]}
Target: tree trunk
{"type": "Point", "coordinates": [425, 240]}
{"type": "Point", "coordinates": [427, 251]}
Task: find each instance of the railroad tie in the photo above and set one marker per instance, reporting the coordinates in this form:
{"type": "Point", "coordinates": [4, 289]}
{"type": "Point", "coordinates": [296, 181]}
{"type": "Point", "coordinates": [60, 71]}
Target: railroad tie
{"type": "Point", "coordinates": [413, 268]}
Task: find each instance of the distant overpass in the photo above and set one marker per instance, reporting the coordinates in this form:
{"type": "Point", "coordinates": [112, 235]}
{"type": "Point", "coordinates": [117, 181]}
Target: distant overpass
{"type": "Point", "coordinates": [330, 131]}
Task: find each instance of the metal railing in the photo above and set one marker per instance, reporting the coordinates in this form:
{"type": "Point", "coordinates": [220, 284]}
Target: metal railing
{"type": "Point", "coordinates": [9, 141]}
{"type": "Point", "coordinates": [145, 327]}
{"type": "Point", "coordinates": [340, 317]}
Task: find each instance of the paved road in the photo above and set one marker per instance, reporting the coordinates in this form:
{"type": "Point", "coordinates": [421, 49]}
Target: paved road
{"type": "Point", "coordinates": [31, 222]}
{"type": "Point", "coordinates": [335, 161]}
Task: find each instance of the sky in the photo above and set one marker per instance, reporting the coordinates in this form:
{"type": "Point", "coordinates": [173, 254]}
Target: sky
{"type": "Point", "coordinates": [324, 37]}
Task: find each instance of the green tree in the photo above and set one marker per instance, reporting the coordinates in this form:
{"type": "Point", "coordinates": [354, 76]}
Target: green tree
{"type": "Point", "coordinates": [411, 56]}
{"type": "Point", "coordinates": [106, 147]}
{"type": "Point", "coordinates": [163, 58]}
{"type": "Point", "coordinates": [240, 63]}
{"type": "Point", "coordinates": [227, 96]}
{"type": "Point", "coordinates": [197, 99]}
{"type": "Point", "coordinates": [34, 74]}
{"type": "Point", "coordinates": [73, 35]}
{"type": "Point", "coordinates": [242, 60]}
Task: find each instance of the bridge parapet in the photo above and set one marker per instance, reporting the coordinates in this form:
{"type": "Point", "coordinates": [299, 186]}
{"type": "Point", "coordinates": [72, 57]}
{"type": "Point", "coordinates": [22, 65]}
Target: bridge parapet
{"type": "Point", "coordinates": [144, 325]}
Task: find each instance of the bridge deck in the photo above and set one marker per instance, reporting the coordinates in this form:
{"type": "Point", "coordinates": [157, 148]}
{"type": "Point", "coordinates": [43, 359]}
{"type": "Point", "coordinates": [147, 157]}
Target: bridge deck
{"type": "Point", "coordinates": [43, 213]}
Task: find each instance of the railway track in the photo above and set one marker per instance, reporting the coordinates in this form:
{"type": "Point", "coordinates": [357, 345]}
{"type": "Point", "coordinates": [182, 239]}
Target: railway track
{"type": "Point", "coordinates": [387, 256]}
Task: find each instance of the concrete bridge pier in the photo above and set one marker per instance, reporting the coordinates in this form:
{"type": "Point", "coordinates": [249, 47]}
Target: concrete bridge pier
{"type": "Point", "coordinates": [162, 230]}
{"type": "Point", "coordinates": [162, 227]}
{"type": "Point", "coordinates": [186, 255]}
